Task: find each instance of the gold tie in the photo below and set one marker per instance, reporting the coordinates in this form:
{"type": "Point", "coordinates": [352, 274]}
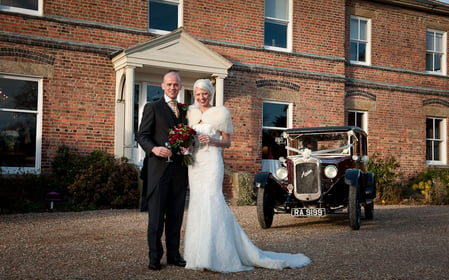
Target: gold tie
{"type": "Point", "coordinates": [174, 107]}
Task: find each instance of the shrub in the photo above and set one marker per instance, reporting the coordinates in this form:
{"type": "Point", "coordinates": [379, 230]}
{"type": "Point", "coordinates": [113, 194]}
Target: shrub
{"type": "Point", "coordinates": [106, 182]}
{"type": "Point", "coordinates": [433, 186]}
{"type": "Point", "coordinates": [23, 192]}
{"type": "Point", "coordinates": [388, 185]}
{"type": "Point", "coordinates": [85, 182]}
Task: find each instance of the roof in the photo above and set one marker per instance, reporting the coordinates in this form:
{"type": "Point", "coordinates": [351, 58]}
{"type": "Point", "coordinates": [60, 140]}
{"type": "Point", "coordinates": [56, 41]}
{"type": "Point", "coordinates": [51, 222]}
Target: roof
{"type": "Point", "coordinates": [432, 6]}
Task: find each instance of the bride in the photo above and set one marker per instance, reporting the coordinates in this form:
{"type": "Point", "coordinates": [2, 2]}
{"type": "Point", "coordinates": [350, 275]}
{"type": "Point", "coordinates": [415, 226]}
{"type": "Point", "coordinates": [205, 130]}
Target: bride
{"type": "Point", "coordinates": [213, 239]}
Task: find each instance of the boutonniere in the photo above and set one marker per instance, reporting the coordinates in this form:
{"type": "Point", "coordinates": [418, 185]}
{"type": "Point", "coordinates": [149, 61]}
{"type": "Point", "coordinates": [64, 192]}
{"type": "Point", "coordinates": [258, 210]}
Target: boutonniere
{"type": "Point", "coordinates": [182, 106]}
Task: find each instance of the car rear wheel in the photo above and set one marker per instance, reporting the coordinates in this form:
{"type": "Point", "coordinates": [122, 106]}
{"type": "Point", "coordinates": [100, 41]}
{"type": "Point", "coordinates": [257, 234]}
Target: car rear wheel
{"type": "Point", "coordinates": [265, 208]}
{"type": "Point", "coordinates": [369, 210]}
{"type": "Point", "coordinates": [354, 209]}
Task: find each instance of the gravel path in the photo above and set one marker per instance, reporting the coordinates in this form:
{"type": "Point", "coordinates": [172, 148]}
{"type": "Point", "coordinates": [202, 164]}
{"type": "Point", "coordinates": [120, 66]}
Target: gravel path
{"type": "Point", "coordinates": [402, 242]}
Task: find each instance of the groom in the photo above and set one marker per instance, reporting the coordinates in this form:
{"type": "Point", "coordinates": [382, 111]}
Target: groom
{"type": "Point", "coordinates": [166, 181]}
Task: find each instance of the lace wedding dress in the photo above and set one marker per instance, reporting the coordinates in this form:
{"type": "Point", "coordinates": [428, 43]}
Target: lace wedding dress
{"type": "Point", "coordinates": [214, 239]}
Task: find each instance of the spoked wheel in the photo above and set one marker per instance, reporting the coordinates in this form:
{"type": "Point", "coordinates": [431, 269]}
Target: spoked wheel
{"type": "Point", "coordinates": [265, 208]}
{"type": "Point", "coordinates": [354, 209]}
{"type": "Point", "coordinates": [369, 210]}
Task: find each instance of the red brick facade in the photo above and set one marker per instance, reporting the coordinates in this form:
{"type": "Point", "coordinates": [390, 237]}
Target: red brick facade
{"type": "Point", "coordinates": [72, 44]}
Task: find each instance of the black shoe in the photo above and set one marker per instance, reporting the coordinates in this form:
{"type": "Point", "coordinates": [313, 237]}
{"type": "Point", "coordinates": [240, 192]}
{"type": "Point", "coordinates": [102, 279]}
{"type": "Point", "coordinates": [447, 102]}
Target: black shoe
{"type": "Point", "coordinates": [154, 265]}
{"type": "Point", "coordinates": [178, 261]}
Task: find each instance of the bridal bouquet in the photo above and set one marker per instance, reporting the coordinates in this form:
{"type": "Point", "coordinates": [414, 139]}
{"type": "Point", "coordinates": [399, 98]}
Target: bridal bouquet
{"type": "Point", "coordinates": [182, 135]}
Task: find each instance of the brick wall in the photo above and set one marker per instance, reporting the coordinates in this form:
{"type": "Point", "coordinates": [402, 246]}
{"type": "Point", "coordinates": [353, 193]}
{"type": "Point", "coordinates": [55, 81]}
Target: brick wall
{"type": "Point", "coordinates": [73, 42]}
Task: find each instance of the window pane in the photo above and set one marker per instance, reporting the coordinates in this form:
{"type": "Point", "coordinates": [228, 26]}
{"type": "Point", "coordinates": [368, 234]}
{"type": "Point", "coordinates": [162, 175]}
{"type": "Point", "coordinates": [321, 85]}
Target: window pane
{"type": "Point", "coordinates": [351, 118]}
{"type": "Point", "coordinates": [437, 129]}
{"type": "Point", "coordinates": [429, 62]}
{"type": "Point", "coordinates": [353, 51]}
{"type": "Point", "coordinates": [429, 41]}
{"type": "Point", "coordinates": [24, 4]}
{"type": "Point", "coordinates": [362, 52]}
{"type": "Point", "coordinates": [163, 16]}
{"type": "Point", "coordinates": [436, 150]}
{"type": "Point", "coordinates": [363, 26]}
{"type": "Point", "coordinates": [154, 93]}
{"type": "Point", "coordinates": [429, 150]}
{"type": "Point", "coordinates": [438, 42]}
{"type": "Point", "coordinates": [275, 115]}
{"type": "Point", "coordinates": [359, 120]}
{"type": "Point", "coordinates": [17, 139]}
{"type": "Point", "coordinates": [276, 9]}
{"type": "Point", "coordinates": [18, 94]}
{"type": "Point", "coordinates": [273, 145]}
{"type": "Point", "coordinates": [429, 128]}
{"type": "Point", "coordinates": [354, 28]}
{"type": "Point", "coordinates": [275, 35]}
{"type": "Point", "coordinates": [437, 62]}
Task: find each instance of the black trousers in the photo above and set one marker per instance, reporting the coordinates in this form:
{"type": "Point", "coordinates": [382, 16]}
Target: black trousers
{"type": "Point", "coordinates": [166, 211]}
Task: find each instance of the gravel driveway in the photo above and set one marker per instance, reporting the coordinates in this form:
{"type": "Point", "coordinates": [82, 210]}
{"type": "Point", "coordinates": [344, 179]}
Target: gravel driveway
{"type": "Point", "coordinates": [402, 242]}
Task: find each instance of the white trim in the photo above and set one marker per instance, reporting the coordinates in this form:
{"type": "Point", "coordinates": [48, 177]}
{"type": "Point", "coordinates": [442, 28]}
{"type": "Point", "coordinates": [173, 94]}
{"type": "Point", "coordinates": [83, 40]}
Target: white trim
{"type": "Point", "coordinates": [180, 4]}
{"type": "Point", "coordinates": [38, 112]}
{"type": "Point", "coordinates": [443, 151]}
{"type": "Point", "coordinates": [364, 114]}
{"type": "Point", "coordinates": [444, 52]}
{"type": "Point", "coordinates": [38, 12]}
{"type": "Point", "coordinates": [289, 114]}
{"type": "Point", "coordinates": [289, 34]}
{"type": "Point", "coordinates": [150, 61]}
{"type": "Point", "coordinates": [368, 41]}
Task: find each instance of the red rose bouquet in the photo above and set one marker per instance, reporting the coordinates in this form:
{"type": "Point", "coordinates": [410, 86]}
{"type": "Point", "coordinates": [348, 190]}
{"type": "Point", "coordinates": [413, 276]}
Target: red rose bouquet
{"type": "Point", "coordinates": [182, 135]}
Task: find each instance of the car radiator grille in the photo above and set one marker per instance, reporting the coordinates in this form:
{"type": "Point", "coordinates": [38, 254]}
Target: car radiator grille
{"type": "Point", "coordinates": [306, 178]}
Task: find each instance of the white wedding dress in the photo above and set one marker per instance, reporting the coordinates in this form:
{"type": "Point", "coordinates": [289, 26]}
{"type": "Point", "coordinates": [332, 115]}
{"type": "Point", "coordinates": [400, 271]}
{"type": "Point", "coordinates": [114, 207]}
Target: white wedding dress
{"type": "Point", "coordinates": [214, 239]}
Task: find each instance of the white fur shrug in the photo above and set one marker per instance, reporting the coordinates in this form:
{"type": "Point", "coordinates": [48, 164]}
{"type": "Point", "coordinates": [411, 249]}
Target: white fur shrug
{"type": "Point", "coordinates": [219, 117]}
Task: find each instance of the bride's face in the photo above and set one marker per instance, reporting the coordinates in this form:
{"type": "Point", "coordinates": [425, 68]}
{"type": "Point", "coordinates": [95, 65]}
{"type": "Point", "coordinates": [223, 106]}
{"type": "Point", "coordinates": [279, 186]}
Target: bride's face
{"type": "Point", "coordinates": [202, 97]}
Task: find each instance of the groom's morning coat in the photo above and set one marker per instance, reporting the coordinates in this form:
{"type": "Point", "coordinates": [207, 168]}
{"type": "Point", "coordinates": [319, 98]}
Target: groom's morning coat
{"type": "Point", "coordinates": [158, 118]}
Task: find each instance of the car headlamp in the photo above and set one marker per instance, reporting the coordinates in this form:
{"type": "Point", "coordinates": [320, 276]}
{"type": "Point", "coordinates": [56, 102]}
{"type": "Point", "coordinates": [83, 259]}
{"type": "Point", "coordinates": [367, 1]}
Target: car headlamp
{"type": "Point", "coordinates": [281, 173]}
{"type": "Point", "coordinates": [331, 171]}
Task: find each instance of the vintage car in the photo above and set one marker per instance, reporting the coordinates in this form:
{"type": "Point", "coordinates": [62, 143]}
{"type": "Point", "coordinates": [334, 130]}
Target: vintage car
{"type": "Point", "coordinates": [325, 172]}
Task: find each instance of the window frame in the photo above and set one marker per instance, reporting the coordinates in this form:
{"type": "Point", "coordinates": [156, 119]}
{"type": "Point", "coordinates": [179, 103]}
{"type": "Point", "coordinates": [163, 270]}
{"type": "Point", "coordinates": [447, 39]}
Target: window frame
{"type": "Point", "coordinates": [367, 41]}
{"type": "Point", "coordinates": [38, 112]}
{"type": "Point", "coordinates": [364, 124]}
{"type": "Point", "coordinates": [289, 118]}
{"type": "Point", "coordinates": [443, 52]}
{"type": "Point", "coordinates": [443, 140]}
{"type": "Point", "coordinates": [289, 25]}
{"type": "Point", "coordinates": [38, 12]}
{"type": "Point", "coordinates": [170, 2]}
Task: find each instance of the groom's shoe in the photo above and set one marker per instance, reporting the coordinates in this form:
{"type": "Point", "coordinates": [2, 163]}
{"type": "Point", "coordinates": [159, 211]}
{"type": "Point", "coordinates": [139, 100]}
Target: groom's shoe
{"type": "Point", "coordinates": [178, 261]}
{"type": "Point", "coordinates": [155, 264]}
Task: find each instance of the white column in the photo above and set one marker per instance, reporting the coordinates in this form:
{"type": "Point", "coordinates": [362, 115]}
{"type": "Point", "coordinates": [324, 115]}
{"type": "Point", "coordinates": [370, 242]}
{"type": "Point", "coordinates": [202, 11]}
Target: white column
{"type": "Point", "coordinates": [219, 90]}
{"type": "Point", "coordinates": [129, 109]}
{"type": "Point", "coordinates": [119, 114]}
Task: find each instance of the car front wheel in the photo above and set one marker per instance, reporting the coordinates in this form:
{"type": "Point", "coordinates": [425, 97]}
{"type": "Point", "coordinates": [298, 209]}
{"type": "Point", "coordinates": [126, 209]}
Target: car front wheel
{"type": "Point", "coordinates": [265, 209]}
{"type": "Point", "coordinates": [354, 209]}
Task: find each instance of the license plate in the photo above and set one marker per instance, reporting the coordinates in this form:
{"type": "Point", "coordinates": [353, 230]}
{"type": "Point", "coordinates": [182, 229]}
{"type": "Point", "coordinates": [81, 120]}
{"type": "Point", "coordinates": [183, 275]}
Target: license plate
{"type": "Point", "coordinates": [308, 212]}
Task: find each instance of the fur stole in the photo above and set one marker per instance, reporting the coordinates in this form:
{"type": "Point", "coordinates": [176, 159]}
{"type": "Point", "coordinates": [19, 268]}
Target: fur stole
{"type": "Point", "coordinates": [219, 117]}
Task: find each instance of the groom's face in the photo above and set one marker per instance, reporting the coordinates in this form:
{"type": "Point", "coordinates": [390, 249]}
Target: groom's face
{"type": "Point", "coordinates": [171, 85]}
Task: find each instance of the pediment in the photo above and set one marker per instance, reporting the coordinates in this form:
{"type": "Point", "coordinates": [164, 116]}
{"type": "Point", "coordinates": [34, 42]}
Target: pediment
{"type": "Point", "coordinates": [176, 50]}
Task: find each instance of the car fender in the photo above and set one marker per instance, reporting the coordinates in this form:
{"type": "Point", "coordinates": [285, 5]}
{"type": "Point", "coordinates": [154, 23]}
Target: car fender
{"type": "Point", "coordinates": [261, 179]}
{"type": "Point", "coordinates": [274, 188]}
{"type": "Point", "coordinates": [352, 177]}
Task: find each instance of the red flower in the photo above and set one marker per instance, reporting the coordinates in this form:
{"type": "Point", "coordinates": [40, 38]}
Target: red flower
{"type": "Point", "coordinates": [182, 136]}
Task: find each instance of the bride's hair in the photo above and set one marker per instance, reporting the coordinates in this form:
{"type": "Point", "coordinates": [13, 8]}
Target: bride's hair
{"type": "Point", "coordinates": [206, 85]}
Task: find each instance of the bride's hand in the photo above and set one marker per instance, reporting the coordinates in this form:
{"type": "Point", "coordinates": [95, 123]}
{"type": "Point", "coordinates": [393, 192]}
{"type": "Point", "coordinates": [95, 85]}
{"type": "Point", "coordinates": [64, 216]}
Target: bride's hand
{"type": "Point", "coordinates": [204, 139]}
